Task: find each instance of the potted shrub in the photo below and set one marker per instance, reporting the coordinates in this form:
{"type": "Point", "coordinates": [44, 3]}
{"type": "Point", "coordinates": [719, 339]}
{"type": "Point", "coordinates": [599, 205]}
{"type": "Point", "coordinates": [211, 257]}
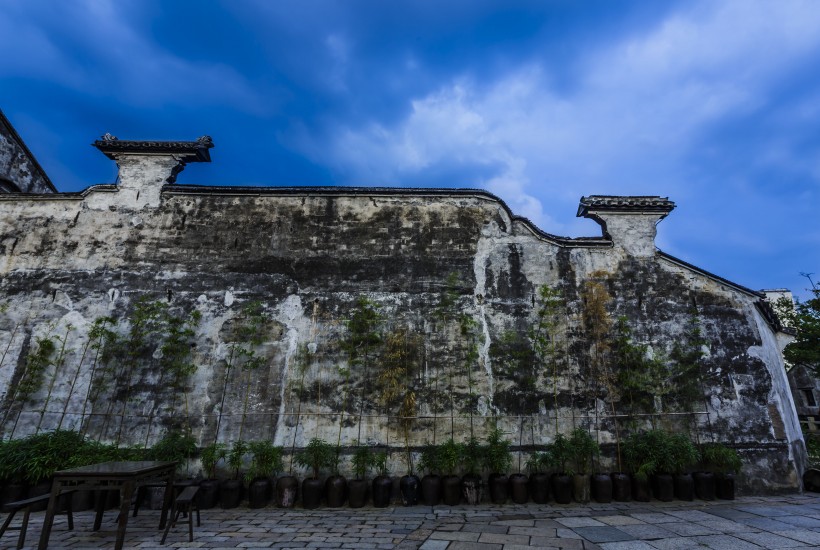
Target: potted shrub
{"type": "Point", "coordinates": [336, 484]}
{"type": "Point", "coordinates": [230, 493]}
{"type": "Point", "coordinates": [431, 482]}
{"type": "Point", "coordinates": [683, 455]}
{"type": "Point", "coordinates": [539, 483]}
{"type": "Point", "coordinates": [498, 460]}
{"type": "Point", "coordinates": [449, 456]}
{"type": "Point", "coordinates": [560, 453]}
{"type": "Point", "coordinates": [317, 455]}
{"type": "Point", "coordinates": [583, 449]}
{"type": "Point", "coordinates": [358, 488]}
{"type": "Point", "coordinates": [210, 456]}
{"type": "Point", "coordinates": [266, 460]}
{"type": "Point", "coordinates": [638, 460]}
{"type": "Point", "coordinates": [472, 457]}
{"type": "Point", "coordinates": [725, 463]}
{"type": "Point", "coordinates": [382, 484]}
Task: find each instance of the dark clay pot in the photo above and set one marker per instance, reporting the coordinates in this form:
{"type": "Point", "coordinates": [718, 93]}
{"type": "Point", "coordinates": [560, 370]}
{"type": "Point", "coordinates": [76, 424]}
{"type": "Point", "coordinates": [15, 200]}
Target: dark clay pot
{"type": "Point", "coordinates": [208, 494]}
{"type": "Point", "coordinates": [382, 487]}
{"type": "Point", "coordinates": [562, 488]}
{"type": "Point", "coordinates": [602, 488]}
{"type": "Point", "coordinates": [431, 489]}
{"type": "Point", "coordinates": [472, 489]}
{"type": "Point", "coordinates": [581, 484]}
{"type": "Point", "coordinates": [498, 485]}
{"type": "Point", "coordinates": [621, 487]}
{"type": "Point", "coordinates": [287, 488]}
{"type": "Point", "coordinates": [42, 488]}
{"type": "Point", "coordinates": [641, 490]}
{"type": "Point", "coordinates": [258, 492]}
{"type": "Point", "coordinates": [336, 491]}
{"type": "Point", "coordinates": [13, 492]}
{"type": "Point", "coordinates": [519, 492]}
{"type": "Point", "coordinates": [664, 487]}
{"type": "Point", "coordinates": [410, 489]}
{"type": "Point", "coordinates": [540, 488]}
{"type": "Point", "coordinates": [704, 485]}
{"type": "Point", "coordinates": [357, 492]}
{"type": "Point", "coordinates": [312, 490]}
{"type": "Point", "coordinates": [725, 486]}
{"type": "Point", "coordinates": [451, 490]}
{"type": "Point", "coordinates": [230, 493]}
{"type": "Point", "coordinates": [684, 487]}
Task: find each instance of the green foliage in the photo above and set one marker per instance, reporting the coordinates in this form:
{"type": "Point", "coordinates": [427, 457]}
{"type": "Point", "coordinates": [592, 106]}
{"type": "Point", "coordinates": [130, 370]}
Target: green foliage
{"type": "Point", "coordinates": [639, 377]}
{"type": "Point", "coordinates": [430, 459]}
{"type": "Point", "coordinates": [176, 349]}
{"type": "Point", "coordinates": [721, 459]}
{"type": "Point", "coordinates": [317, 455]}
{"type": "Point", "coordinates": [583, 449]}
{"type": "Point", "coordinates": [37, 361]}
{"type": "Point", "coordinates": [449, 456]}
{"type": "Point", "coordinates": [539, 462]}
{"type": "Point", "coordinates": [401, 357]}
{"type": "Point", "coordinates": [266, 460]}
{"type": "Point", "coordinates": [380, 463]}
{"type": "Point", "coordinates": [498, 458]}
{"type": "Point", "coordinates": [362, 461]}
{"type": "Point", "coordinates": [804, 318]}
{"type": "Point", "coordinates": [363, 333]}
{"type": "Point", "coordinates": [236, 456]}
{"type": "Point", "coordinates": [472, 456]}
{"type": "Point", "coordinates": [656, 451]}
{"type": "Point", "coordinates": [38, 456]}
{"type": "Point", "coordinates": [175, 446]}
{"type": "Point", "coordinates": [560, 453]}
{"type": "Point", "coordinates": [687, 355]}
{"type": "Point", "coordinates": [210, 457]}
{"type": "Point", "coordinates": [544, 334]}
{"type": "Point", "coordinates": [249, 334]}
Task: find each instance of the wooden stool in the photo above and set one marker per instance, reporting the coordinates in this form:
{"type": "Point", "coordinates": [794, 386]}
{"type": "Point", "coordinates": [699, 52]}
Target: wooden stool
{"type": "Point", "coordinates": [185, 502]}
{"type": "Point", "coordinates": [25, 505]}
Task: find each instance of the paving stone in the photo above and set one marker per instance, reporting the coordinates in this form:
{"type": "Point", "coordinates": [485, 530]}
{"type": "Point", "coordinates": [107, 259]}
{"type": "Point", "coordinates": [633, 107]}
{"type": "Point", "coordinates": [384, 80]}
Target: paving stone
{"type": "Point", "coordinates": [557, 542]}
{"type": "Point", "coordinates": [769, 540]}
{"type": "Point", "coordinates": [533, 531]}
{"type": "Point", "coordinates": [800, 521]}
{"type": "Point", "coordinates": [457, 535]}
{"type": "Point", "coordinates": [579, 522]}
{"type": "Point", "coordinates": [603, 533]}
{"type": "Point", "coordinates": [673, 543]}
{"type": "Point", "coordinates": [691, 515]}
{"type": "Point", "coordinates": [631, 545]}
{"type": "Point", "coordinates": [474, 546]}
{"type": "Point", "coordinates": [725, 542]}
{"type": "Point", "coordinates": [646, 531]}
{"type": "Point", "coordinates": [724, 525]}
{"type": "Point", "coordinates": [730, 513]}
{"type": "Point", "coordinates": [503, 539]}
{"type": "Point", "coordinates": [484, 528]}
{"type": "Point", "coordinates": [766, 524]}
{"type": "Point", "coordinates": [689, 529]}
{"type": "Point", "coordinates": [654, 517]}
{"type": "Point", "coordinates": [619, 520]}
{"type": "Point", "coordinates": [803, 535]}
{"type": "Point", "coordinates": [766, 511]}
{"type": "Point", "coordinates": [434, 545]}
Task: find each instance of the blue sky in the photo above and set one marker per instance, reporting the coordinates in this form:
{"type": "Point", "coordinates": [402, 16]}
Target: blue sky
{"type": "Point", "coordinates": [715, 104]}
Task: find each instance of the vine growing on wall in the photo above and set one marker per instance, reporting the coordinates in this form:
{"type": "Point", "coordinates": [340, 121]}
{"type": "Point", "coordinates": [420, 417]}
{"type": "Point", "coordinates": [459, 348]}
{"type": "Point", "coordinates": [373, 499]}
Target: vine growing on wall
{"type": "Point", "coordinates": [444, 313]}
{"type": "Point", "coordinates": [545, 336]}
{"type": "Point", "coordinates": [400, 362]}
{"type": "Point", "coordinates": [469, 330]}
{"type": "Point", "coordinates": [58, 364]}
{"type": "Point", "coordinates": [597, 325]}
{"type": "Point", "coordinates": [251, 335]}
{"type": "Point", "coordinates": [361, 343]}
{"type": "Point", "coordinates": [643, 380]}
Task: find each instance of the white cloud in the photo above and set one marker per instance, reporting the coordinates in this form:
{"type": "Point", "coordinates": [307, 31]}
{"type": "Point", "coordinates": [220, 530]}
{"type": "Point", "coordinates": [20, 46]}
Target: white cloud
{"type": "Point", "coordinates": [639, 107]}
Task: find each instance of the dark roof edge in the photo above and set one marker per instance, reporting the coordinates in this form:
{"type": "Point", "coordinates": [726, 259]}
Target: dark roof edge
{"type": "Point", "coordinates": [386, 191]}
{"type": "Point", "coordinates": [7, 123]}
{"type": "Point", "coordinates": [718, 278]}
{"type": "Point", "coordinates": [72, 195]}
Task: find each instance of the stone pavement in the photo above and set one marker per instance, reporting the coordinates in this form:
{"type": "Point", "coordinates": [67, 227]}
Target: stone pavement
{"type": "Point", "coordinates": [791, 521]}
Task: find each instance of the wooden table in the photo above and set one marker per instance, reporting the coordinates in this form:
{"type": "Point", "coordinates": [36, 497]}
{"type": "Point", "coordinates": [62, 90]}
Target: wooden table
{"type": "Point", "coordinates": [125, 477]}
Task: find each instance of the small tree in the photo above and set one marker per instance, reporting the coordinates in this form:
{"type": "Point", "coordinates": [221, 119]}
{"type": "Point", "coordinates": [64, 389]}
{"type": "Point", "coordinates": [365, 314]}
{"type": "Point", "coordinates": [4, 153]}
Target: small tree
{"type": "Point", "coordinates": [804, 318]}
{"type": "Point", "coordinates": [210, 457]}
{"type": "Point", "coordinates": [317, 455]}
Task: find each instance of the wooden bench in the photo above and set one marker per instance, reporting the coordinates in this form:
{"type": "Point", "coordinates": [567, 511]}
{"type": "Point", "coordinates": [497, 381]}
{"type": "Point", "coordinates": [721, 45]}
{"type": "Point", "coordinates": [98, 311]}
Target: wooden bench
{"type": "Point", "coordinates": [25, 505]}
{"type": "Point", "coordinates": [185, 502]}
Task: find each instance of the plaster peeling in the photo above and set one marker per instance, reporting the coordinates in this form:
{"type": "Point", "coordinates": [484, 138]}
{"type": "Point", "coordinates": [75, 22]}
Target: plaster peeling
{"type": "Point", "coordinates": [290, 310]}
{"type": "Point", "coordinates": [484, 356]}
{"type": "Point", "coordinates": [229, 298]}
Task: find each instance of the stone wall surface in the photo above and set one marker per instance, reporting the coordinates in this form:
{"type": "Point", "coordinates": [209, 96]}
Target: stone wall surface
{"type": "Point", "coordinates": [453, 268]}
{"type": "Point", "coordinates": [19, 170]}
